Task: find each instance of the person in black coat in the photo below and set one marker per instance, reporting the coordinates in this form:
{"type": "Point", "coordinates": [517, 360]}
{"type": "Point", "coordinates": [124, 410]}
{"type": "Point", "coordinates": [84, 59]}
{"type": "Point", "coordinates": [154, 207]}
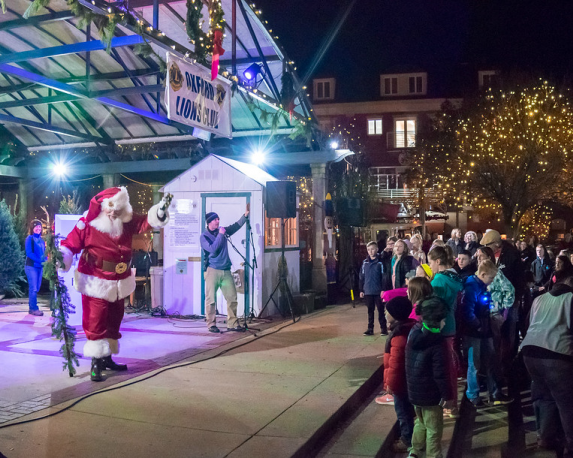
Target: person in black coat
{"type": "Point", "coordinates": [429, 388]}
{"type": "Point", "coordinates": [472, 243]}
{"type": "Point", "coordinates": [386, 257]}
{"type": "Point", "coordinates": [527, 254]}
{"type": "Point", "coordinates": [401, 264]}
{"type": "Point", "coordinates": [465, 266]}
{"type": "Point", "coordinates": [370, 284]}
{"type": "Point", "coordinates": [542, 267]}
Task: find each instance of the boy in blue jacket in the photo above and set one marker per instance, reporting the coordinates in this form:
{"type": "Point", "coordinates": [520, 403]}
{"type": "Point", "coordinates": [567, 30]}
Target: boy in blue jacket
{"type": "Point", "coordinates": [478, 337]}
{"type": "Point", "coordinates": [370, 285]}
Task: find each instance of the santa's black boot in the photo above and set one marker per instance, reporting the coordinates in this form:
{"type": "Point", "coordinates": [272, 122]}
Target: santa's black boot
{"type": "Point", "coordinates": [110, 364]}
{"type": "Point", "coordinates": [97, 366]}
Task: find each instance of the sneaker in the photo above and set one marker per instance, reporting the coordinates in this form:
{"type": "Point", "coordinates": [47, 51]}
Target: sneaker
{"type": "Point", "coordinates": [237, 328]}
{"type": "Point", "coordinates": [214, 329]}
{"type": "Point", "coordinates": [384, 332]}
{"type": "Point", "coordinates": [369, 332]}
{"type": "Point", "coordinates": [477, 402]}
{"type": "Point", "coordinates": [400, 446]}
{"type": "Point", "coordinates": [36, 312]}
{"type": "Point", "coordinates": [386, 400]}
{"type": "Point", "coordinates": [501, 400]}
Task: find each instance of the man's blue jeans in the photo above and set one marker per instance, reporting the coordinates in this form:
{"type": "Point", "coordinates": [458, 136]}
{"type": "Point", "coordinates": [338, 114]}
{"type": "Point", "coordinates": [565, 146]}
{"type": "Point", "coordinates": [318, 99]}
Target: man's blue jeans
{"type": "Point", "coordinates": [34, 275]}
{"type": "Point", "coordinates": [405, 414]}
{"type": "Point", "coordinates": [480, 353]}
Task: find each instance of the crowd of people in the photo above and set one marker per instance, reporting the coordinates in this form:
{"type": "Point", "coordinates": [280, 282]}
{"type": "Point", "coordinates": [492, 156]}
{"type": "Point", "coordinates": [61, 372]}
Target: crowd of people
{"type": "Point", "coordinates": [463, 309]}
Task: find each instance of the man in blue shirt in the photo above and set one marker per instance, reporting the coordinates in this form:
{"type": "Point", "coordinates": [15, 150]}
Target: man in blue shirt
{"type": "Point", "coordinates": [218, 270]}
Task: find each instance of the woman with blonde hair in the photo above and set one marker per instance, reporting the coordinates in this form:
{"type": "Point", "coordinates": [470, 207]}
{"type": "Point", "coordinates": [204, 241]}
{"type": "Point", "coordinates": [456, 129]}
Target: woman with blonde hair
{"type": "Point", "coordinates": [402, 263]}
{"type": "Point", "coordinates": [472, 243]}
{"type": "Point", "coordinates": [417, 251]}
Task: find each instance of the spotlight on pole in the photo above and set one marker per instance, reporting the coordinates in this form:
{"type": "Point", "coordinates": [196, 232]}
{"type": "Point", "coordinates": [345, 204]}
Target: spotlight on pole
{"type": "Point", "coordinates": [60, 169]}
{"type": "Point", "coordinates": [258, 157]}
{"type": "Point", "coordinates": [333, 144]}
{"type": "Point", "coordinates": [252, 71]}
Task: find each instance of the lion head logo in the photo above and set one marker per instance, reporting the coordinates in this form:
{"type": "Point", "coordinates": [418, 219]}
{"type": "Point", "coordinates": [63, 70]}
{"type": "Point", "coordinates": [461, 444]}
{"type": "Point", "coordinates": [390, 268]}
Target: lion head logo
{"type": "Point", "coordinates": [175, 77]}
{"type": "Point", "coordinates": [221, 93]}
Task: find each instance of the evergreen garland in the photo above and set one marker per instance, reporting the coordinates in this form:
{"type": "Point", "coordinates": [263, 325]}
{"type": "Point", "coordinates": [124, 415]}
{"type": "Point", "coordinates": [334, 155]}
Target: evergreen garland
{"type": "Point", "coordinates": [203, 41]}
{"type": "Point", "coordinates": [61, 305]}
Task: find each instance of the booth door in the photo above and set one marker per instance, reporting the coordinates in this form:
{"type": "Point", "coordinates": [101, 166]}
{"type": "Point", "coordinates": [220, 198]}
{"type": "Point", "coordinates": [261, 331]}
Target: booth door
{"type": "Point", "coordinates": [230, 210]}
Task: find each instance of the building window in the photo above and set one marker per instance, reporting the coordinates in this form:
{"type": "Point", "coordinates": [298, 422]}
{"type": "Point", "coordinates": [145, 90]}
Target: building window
{"type": "Point", "coordinates": [405, 133]}
{"type": "Point", "coordinates": [416, 85]}
{"type": "Point", "coordinates": [374, 127]}
{"type": "Point", "coordinates": [324, 89]}
{"type": "Point", "coordinates": [273, 232]}
{"type": "Point", "coordinates": [390, 86]}
{"type": "Point", "coordinates": [488, 78]}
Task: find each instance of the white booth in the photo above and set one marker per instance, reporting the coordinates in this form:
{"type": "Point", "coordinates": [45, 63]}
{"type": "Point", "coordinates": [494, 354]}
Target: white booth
{"type": "Point", "coordinates": [224, 186]}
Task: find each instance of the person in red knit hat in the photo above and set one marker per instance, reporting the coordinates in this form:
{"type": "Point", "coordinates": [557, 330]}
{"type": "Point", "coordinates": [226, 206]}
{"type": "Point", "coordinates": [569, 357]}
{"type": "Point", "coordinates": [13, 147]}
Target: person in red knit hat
{"type": "Point", "coordinates": [103, 275]}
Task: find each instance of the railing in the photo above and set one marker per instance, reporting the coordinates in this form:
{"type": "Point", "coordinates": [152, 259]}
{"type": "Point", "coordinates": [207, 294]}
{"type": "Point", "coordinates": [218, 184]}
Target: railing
{"type": "Point", "coordinates": [405, 194]}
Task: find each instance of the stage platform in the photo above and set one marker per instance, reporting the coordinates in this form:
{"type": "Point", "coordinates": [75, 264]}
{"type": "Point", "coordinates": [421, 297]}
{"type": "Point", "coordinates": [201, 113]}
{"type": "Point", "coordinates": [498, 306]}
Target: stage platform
{"type": "Point", "coordinates": [238, 395]}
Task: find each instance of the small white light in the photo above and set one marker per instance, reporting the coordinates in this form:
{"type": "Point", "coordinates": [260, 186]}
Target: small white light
{"type": "Point", "coordinates": [59, 169]}
{"type": "Point", "coordinates": [334, 144]}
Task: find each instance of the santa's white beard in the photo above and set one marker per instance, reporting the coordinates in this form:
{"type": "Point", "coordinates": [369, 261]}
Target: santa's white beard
{"type": "Point", "coordinates": [113, 227]}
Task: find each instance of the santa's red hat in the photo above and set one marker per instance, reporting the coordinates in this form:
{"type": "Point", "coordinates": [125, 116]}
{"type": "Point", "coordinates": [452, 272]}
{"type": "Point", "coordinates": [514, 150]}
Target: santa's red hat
{"type": "Point", "coordinates": [116, 198]}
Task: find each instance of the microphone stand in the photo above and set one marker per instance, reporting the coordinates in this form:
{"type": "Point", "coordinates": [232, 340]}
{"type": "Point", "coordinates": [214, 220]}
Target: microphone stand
{"type": "Point", "coordinates": [245, 262]}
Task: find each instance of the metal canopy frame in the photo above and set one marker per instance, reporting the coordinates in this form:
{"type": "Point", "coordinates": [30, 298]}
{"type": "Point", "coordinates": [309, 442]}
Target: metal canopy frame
{"type": "Point", "coordinates": [47, 94]}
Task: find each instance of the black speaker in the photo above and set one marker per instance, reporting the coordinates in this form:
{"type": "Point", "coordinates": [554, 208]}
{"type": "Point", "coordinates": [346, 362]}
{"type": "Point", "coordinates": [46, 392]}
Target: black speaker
{"type": "Point", "coordinates": [280, 199]}
{"type": "Point", "coordinates": [350, 212]}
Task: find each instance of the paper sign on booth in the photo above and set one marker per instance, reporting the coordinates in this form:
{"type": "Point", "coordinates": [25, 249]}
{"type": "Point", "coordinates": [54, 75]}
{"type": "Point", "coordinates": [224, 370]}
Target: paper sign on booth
{"type": "Point", "coordinates": [193, 99]}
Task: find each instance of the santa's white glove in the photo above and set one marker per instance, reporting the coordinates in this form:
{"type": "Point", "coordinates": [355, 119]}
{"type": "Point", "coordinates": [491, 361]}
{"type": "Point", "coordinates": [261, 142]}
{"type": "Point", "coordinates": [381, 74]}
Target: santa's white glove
{"type": "Point", "coordinates": [164, 205]}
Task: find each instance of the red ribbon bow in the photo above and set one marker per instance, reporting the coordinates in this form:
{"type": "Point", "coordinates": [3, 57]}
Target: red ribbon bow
{"type": "Point", "coordinates": [217, 51]}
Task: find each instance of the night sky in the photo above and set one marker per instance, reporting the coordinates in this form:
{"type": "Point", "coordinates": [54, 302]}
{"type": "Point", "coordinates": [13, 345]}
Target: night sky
{"type": "Point", "coordinates": [527, 35]}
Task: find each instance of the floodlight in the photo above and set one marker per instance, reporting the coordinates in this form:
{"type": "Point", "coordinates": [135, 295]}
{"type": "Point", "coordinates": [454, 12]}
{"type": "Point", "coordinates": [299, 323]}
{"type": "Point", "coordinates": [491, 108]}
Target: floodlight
{"type": "Point", "coordinates": [252, 71]}
{"type": "Point", "coordinates": [60, 169]}
{"type": "Point", "coordinates": [258, 157]}
{"type": "Point", "coordinates": [333, 144]}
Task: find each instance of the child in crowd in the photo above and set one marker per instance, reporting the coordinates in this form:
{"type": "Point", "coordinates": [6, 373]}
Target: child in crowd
{"type": "Point", "coordinates": [370, 280]}
{"type": "Point", "coordinates": [386, 398]}
{"type": "Point", "coordinates": [464, 266]}
{"type": "Point", "coordinates": [448, 285]}
{"type": "Point", "coordinates": [477, 335]}
{"type": "Point", "coordinates": [397, 311]}
{"type": "Point", "coordinates": [424, 271]}
{"type": "Point", "coordinates": [419, 288]}
{"type": "Point", "coordinates": [429, 390]}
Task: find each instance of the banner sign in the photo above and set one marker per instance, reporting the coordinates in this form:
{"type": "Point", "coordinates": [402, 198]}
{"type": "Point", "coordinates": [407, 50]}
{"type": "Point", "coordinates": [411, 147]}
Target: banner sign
{"type": "Point", "coordinates": [193, 99]}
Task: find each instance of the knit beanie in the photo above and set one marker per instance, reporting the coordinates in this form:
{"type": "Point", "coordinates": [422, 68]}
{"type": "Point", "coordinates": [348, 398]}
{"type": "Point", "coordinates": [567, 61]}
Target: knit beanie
{"type": "Point", "coordinates": [210, 217]}
{"type": "Point", "coordinates": [399, 307]}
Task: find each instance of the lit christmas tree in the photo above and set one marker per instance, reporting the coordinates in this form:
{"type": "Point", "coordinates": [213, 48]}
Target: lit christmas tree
{"type": "Point", "coordinates": [508, 154]}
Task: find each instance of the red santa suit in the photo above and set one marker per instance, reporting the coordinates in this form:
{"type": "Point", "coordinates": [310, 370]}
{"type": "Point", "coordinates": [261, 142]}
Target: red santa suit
{"type": "Point", "coordinates": [103, 275]}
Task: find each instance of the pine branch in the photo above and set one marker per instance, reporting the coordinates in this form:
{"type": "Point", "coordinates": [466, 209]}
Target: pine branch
{"type": "Point", "coordinates": [61, 306]}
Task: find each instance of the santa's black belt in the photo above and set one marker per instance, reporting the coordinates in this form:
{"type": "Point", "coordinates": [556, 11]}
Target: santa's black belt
{"type": "Point", "coordinates": [106, 266]}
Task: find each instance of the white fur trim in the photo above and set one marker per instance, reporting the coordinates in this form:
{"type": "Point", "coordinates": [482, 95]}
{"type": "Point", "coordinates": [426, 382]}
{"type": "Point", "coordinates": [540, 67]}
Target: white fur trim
{"type": "Point", "coordinates": [113, 346]}
{"type": "Point", "coordinates": [97, 349]}
{"type": "Point", "coordinates": [68, 258]}
{"type": "Point", "coordinates": [153, 219]}
{"type": "Point", "coordinates": [109, 290]}
{"type": "Point", "coordinates": [121, 202]}
{"type": "Point", "coordinates": [81, 225]}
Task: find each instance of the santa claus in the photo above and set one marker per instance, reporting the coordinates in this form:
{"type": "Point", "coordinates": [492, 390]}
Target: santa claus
{"type": "Point", "coordinates": [103, 275]}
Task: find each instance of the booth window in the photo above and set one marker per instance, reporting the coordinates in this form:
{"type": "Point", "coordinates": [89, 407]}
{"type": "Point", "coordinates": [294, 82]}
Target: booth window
{"type": "Point", "coordinates": [273, 232]}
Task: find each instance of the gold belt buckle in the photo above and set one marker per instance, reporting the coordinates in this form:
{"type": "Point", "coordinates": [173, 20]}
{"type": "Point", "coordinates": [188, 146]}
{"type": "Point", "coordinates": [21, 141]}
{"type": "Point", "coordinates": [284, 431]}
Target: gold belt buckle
{"type": "Point", "coordinates": [120, 268]}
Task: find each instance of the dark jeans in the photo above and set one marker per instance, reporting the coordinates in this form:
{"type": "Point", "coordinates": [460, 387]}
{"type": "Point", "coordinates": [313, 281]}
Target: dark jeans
{"type": "Point", "coordinates": [552, 399]}
{"type": "Point", "coordinates": [34, 275]}
{"type": "Point", "coordinates": [405, 414]}
{"type": "Point", "coordinates": [374, 301]}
